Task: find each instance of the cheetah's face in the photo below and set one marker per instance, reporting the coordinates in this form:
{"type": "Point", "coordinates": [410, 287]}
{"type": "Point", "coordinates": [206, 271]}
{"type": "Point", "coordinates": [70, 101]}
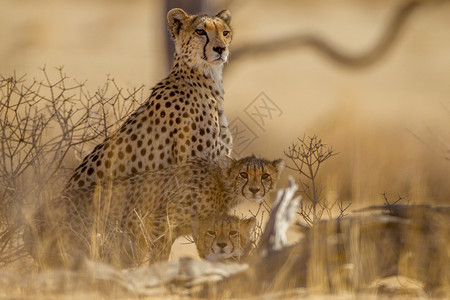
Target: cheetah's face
{"type": "Point", "coordinates": [254, 177]}
{"type": "Point", "coordinates": [226, 237]}
{"type": "Point", "coordinates": [201, 39]}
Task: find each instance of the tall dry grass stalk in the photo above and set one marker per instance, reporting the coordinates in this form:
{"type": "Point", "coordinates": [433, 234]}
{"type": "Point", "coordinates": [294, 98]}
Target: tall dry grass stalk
{"type": "Point", "coordinates": [46, 124]}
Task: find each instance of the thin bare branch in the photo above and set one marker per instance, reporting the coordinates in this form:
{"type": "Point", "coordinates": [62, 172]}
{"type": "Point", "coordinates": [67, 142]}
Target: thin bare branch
{"type": "Point", "coordinates": [307, 157]}
{"type": "Point", "coordinates": [41, 122]}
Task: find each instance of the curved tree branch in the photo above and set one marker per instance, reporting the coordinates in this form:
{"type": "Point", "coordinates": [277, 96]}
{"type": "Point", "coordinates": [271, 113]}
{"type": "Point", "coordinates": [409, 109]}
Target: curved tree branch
{"type": "Point", "coordinates": [374, 54]}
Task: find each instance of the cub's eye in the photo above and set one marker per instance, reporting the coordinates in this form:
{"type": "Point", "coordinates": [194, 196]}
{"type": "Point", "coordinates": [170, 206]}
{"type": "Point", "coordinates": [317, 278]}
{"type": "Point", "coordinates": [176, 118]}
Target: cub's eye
{"type": "Point", "coordinates": [211, 233]}
{"type": "Point", "coordinates": [243, 175]}
{"type": "Point", "coordinates": [200, 32]}
{"type": "Point", "coordinates": [233, 233]}
{"type": "Point", "coordinates": [265, 176]}
{"type": "Point", "coordinates": [226, 33]}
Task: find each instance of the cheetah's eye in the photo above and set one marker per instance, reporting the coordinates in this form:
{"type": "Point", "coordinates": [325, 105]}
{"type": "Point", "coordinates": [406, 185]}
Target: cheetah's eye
{"type": "Point", "coordinates": [265, 176]}
{"type": "Point", "coordinates": [233, 233]}
{"type": "Point", "coordinates": [211, 233]}
{"type": "Point", "coordinates": [200, 32]}
{"type": "Point", "coordinates": [243, 175]}
{"type": "Point", "coordinates": [226, 33]}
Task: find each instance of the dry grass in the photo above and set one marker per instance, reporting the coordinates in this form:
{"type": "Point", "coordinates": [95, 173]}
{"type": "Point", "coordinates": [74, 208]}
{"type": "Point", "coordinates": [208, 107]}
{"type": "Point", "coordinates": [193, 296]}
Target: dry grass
{"type": "Point", "coordinates": [46, 122]}
{"type": "Point", "coordinates": [383, 122]}
{"type": "Point", "coordinates": [377, 158]}
{"type": "Point", "coordinates": [44, 125]}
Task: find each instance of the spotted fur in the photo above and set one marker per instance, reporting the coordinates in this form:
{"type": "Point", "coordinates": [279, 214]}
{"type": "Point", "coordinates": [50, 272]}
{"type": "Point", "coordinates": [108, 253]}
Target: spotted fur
{"type": "Point", "coordinates": [184, 115]}
{"type": "Point", "coordinates": [144, 213]}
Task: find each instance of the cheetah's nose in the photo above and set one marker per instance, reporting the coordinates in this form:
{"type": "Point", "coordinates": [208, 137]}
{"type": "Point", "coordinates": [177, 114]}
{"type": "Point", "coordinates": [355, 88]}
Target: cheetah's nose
{"type": "Point", "coordinates": [221, 245]}
{"type": "Point", "coordinates": [219, 49]}
{"type": "Point", "coordinates": [254, 190]}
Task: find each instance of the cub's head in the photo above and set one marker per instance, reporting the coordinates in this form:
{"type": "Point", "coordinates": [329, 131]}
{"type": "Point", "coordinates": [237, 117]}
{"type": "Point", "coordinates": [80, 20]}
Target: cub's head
{"type": "Point", "coordinates": [252, 177]}
{"type": "Point", "coordinates": [200, 39]}
{"type": "Point", "coordinates": [223, 238]}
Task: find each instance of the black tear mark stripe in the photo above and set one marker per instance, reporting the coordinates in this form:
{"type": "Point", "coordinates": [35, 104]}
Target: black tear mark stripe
{"type": "Point", "coordinates": [263, 186]}
{"type": "Point", "coordinates": [246, 182]}
{"type": "Point", "coordinates": [204, 47]}
{"type": "Point", "coordinates": [261, 165]}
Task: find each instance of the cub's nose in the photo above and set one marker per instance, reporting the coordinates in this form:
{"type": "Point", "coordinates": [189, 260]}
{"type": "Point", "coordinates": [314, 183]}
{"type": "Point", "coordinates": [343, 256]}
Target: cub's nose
{"type": "Point", "coordinates": [221, 245]}
{"type": "Point", "coordinates": [219, 49]}
{"type": "Point", "coordinates": [254, 190]}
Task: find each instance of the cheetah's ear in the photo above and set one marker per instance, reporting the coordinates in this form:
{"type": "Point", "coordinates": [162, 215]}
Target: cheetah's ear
{"type": "Point", "coordinates": [225, 15]}
{"type": "Point", "coordinates": [225, 162]}
{"type": "Point", "coordinates": [176, 18]}
{"type": "Point", "coordinates": [278, 164]}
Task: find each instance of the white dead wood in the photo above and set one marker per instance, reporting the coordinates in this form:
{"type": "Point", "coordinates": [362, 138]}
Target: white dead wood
{"type": "Point", "coordinates": [284, 210]}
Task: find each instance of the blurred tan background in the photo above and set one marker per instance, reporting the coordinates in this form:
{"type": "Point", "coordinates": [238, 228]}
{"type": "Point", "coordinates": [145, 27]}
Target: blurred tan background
{"type": "Point", "coordinates": [389, 121]}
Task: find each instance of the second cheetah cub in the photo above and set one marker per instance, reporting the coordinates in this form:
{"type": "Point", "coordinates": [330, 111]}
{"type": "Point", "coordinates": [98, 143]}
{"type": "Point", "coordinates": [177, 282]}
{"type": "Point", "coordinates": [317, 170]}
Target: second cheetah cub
{"type": "Point", "coordinates": [223, 238]}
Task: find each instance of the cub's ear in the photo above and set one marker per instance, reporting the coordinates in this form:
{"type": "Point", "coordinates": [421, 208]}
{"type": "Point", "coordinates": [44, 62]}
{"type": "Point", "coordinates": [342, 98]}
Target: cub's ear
{"type": "Point", "coordinates": [278, 164]}
{"type": "Point", "coordinates": [176, 18]}
{"type": "Point", "coordinates": [225, 15]}
{"type": "Point", "coordinates": [225, 162]}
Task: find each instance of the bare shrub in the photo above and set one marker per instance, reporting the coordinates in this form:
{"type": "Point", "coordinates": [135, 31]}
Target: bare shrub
{"type": "Point", "coordinates": [307, 157]}
{"type": "Point", "coordinates": [42, 124]}
{"type": "Point", "coordinates": [263, 208]}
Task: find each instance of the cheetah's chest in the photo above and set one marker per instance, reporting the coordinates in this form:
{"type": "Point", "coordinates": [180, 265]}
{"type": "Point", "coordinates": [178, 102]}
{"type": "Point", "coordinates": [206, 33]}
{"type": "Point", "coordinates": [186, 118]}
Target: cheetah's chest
{"type": "Point", "coordinates": [178, 122]}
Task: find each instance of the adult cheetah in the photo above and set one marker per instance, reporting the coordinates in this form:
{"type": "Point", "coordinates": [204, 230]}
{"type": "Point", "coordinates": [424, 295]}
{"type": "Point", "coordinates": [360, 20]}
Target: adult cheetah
{"type": "Point", "coordinates": [184, 115]}
{"type": "Point", "coordinates": [146, 212]}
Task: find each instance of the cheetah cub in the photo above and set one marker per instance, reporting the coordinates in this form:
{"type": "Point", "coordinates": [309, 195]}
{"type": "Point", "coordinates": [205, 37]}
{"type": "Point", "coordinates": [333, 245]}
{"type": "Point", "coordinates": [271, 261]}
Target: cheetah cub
{"type": "Point", "coordinates": [152, 209]}
{"type": "Point", "coordinates": [184, 115]}
{"type": "Point", "coordinates": [223, 238]}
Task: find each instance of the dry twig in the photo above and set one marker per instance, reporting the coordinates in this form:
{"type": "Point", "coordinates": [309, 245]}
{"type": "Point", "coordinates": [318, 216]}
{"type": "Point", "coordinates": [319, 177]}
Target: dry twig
{"type": "Point", "coordinates": [41, 124]}
{"type": "Point", "coordinates": [307, 156]}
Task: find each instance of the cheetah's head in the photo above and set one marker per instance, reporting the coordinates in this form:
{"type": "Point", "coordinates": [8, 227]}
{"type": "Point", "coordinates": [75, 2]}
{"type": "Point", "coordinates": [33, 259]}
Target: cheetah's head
{"type": "Point", "coordinates": [199, 39]}
{"type": "Point", "coordinates": [223, 237]}
{"type": "Point", "coordinates": [253, 177]}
